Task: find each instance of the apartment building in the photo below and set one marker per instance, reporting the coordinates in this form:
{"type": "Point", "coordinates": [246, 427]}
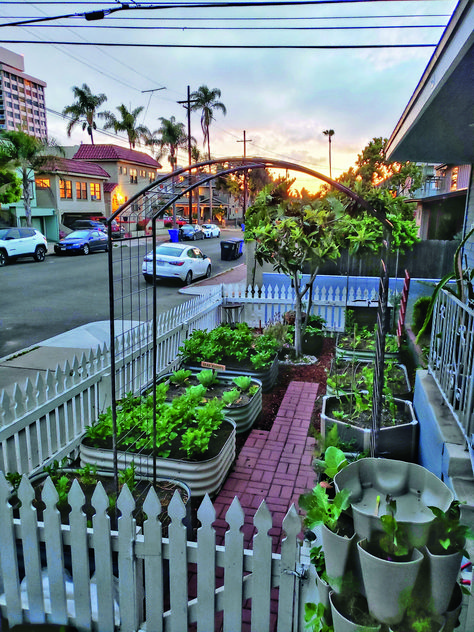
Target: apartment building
{"type": "Point", "coordinates": [22, 102]}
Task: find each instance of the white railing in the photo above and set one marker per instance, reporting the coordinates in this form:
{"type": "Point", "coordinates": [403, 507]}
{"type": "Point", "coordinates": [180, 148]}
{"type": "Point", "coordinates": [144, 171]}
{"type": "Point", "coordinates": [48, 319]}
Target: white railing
{"type": "Point", "coordinates": [451, 358]}
{"type": "Point", "coordinates": [97, 578]}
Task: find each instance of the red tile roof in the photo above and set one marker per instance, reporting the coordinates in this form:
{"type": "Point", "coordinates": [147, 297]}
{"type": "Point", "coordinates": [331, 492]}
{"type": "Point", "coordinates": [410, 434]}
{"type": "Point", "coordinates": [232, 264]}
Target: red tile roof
{"type": "Point", "coordinates": [69, 165]}
{"type": "Point", "coordinates": [110, 186]}
{"type": "Point", "coordinates": [114, 153]}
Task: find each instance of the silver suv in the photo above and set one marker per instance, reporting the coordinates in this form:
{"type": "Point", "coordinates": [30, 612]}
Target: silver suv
{"type": "Point", "coordinates": [21, 242]}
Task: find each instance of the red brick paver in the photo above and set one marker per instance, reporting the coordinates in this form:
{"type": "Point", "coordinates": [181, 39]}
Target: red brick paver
{"type": "Point", "coordinates": [274, 465]}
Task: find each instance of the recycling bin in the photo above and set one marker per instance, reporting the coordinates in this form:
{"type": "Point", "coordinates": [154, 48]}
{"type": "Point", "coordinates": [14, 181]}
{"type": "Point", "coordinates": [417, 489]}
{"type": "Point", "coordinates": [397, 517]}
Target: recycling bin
{"type": "Point", "coordinates": [229, 250]}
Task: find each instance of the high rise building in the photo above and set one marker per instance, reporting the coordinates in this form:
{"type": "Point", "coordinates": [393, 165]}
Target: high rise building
{"type": "Point", "coordinates": [22, 104]}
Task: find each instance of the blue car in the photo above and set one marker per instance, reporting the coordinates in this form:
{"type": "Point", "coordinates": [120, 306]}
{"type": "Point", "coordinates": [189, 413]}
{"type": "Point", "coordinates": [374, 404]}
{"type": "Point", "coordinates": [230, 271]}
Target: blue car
{"type": "Point", "coordinates": [82, 242]}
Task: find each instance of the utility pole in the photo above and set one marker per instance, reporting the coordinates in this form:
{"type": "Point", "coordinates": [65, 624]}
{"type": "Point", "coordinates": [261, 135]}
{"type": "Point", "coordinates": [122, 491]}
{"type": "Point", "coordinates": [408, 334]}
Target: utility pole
{"type": "Point", "coordinates": [245, 141]}
{"type": "Point", "coordinates": [187, 105]}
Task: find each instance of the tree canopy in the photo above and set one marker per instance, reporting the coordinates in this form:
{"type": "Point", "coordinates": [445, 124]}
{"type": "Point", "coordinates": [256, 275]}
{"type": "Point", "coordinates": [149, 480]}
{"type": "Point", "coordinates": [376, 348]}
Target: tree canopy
{"type": "Point", "coordinates": [127, 122]}
{"type": "Point", "coordinates": [84, 109]}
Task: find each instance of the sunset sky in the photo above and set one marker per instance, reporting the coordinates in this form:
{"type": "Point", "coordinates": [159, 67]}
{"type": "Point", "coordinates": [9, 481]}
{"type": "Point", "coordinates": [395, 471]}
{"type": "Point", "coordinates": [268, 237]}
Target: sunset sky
{"type": "Point", "coordinates": [283, 97]}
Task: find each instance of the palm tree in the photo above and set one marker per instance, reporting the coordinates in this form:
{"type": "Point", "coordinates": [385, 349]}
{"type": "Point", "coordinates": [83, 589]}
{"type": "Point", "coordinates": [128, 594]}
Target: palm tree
{"type": "Point", "coordinates": [84, 109]}
{"type": "Point", "coordinates": [127, 123]}
{"type": "Point", "coordinates": [329, 133]}
{"type": "Point", "coordinates": [206, 101]}
{"type": "Point", "coordinates": [26, 154]}
{"type": "Point", "coordinates": [170, 137]}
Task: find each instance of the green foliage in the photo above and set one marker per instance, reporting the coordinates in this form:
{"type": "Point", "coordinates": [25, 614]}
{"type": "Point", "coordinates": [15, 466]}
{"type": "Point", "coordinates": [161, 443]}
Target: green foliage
{"type": "Point", "coordinates": [63, 485]}
{"type": "Point", "coordinates": [243, 382]}
{"type": "Point", "coordinates": [14, 478]}
{"type": "Point", "coordinates": [10, 187]}
{"type": "Point", "coordinates": [394, 541]}
{"type": "Point", "coordinates": [420, 310]}
{"type": "Point", "coordinates": [334, 461]}
{"type": "Point", "coordinates": [238, 343]}
{"type": "Point", "coordinates": [184, 413]}
{"type": "Point", "coordinates": [88, 474]}
{"type": "Point", "coordinates": [180, 377]}
{"type": "Point", "coordinates": [230, 397]}
{"type": "Point", "coordinates": [278, 331]}
{"type": "Point", "coordinates": [127, 477]}
{"type": "Point", "coordinates": [208, 377]}
{"type": "Point", "coordinates": [314, 618]}
{"type": "Point", "coordinates": [447, 533]}
{"type": "Point", "coordinates": [320, 509]}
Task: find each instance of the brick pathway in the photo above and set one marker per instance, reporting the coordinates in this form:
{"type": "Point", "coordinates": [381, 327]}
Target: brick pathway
{"type": "Point", "coordinates": [273, 465]}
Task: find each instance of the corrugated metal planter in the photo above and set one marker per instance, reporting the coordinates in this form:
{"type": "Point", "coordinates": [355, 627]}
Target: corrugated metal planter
{"type": "Point", "coordinates": [403, 392]}
{"type": "Point", "coordinates": [394, 442]}
{"type": "Point", "coordinates": [348, 352]}
{"type": "Point", "coordinates": [202, 477]}
{"type": "Point", "coordinates": [267, 377]}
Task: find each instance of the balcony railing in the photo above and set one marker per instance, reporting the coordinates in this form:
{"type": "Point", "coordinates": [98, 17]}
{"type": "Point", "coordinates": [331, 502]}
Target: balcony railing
{"type": "Point", "coordinates": [451, 358]}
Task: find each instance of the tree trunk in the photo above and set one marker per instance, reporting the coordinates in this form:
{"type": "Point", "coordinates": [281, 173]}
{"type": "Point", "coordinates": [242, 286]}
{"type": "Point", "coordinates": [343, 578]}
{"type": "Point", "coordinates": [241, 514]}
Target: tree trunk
{"type": "Point", "coordinates": [26, 196]}
{"type": "Point", "coordinates": [298, 297]}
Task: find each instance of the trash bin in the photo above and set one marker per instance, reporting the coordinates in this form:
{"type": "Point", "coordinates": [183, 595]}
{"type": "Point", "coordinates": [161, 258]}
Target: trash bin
{"type": "Point", "coordinates": [229, 250]}
{"type": "Point", "coordinates": [241, 246]}
{"type": "Point", "coordinates": [174, 235]}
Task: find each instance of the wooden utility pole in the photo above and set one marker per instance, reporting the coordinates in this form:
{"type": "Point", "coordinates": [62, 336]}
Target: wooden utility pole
{"type": "Point", "coordinates": [187, 105]}
{"type": "Point", "coordinates": [245, 141]}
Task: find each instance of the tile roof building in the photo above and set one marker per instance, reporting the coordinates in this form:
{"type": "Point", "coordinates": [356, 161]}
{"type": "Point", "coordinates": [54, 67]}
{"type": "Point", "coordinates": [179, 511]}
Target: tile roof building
{"type": "Point", "coordinates": [22, 102]}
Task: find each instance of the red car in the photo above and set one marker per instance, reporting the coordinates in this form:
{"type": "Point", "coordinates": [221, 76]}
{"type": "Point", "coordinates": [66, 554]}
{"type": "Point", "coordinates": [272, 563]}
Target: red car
{"type": "Point", "coordinates": [180, 221]}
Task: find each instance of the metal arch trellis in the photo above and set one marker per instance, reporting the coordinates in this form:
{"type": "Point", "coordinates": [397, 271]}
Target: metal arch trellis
{"type": "Point", "coordinates": [133, 314]}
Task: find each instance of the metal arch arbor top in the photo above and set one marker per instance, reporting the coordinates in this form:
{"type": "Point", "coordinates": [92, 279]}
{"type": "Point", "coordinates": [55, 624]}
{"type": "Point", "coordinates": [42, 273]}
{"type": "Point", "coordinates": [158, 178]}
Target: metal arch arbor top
{"type": "Point", "coordinates": [252, 162]}
{"type": "Point", "coordinates": [239, 164]}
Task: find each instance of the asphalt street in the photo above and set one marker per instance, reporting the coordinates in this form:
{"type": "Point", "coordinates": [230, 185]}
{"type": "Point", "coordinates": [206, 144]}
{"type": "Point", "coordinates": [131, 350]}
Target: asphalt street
{"type": "Point", "coordinates": [41, 300]}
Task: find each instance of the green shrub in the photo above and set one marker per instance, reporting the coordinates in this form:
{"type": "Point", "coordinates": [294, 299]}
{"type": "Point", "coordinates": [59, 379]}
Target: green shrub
{"type": "Point", "coordinates": [420, 310]}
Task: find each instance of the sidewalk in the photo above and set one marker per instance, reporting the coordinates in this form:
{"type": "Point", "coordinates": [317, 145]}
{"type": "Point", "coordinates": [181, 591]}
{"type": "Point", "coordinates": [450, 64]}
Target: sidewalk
{"type": "Point", "coordinates": [46, 355]}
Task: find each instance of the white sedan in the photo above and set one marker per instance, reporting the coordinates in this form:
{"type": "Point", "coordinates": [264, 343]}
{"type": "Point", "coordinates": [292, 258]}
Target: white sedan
{"type": "Point", "coordinates": [180, 261]}
{"type": "Point", "coordinates": [211, 230]}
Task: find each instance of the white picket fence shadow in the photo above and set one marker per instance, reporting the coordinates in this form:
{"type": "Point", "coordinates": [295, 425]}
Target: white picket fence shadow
{"type": "Point", "coordinates": [97, 578]}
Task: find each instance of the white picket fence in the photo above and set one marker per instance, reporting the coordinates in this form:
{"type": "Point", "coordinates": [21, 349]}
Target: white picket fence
{"type": "Point", "coordinates": [98, 579]}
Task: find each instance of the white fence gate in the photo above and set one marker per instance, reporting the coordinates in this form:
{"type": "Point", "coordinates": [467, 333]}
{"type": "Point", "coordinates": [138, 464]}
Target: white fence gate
{"type": "Point", "coordinates": [99, 579]}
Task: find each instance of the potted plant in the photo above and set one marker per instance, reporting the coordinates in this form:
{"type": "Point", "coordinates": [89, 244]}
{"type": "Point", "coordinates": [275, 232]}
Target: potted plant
{"type": "Point", "coordinates": [312, 333]}
{"type": "Point", "coordinates": [360, 345]}
{"type": "Point", "coordinates": [350, 613]}
{"type": "Point", "coordinates": [444, 553]}
{"type": "Point", "coordinates": [241, 394]}
{"type": "Point", "coordinates": [389, 559]}
{"type": "Point", "coordinates": [352, 413]}
{"type": "Point", "coordinates": [346, 376]}
{"type": "Point", "coordinates": [191, 441]}
{"type": "Point", "coordinates": [337, 530]}
{"type": "Point", "coordinates": [235, 349]}
{"type": "Point", "coordinates": [318, 560]}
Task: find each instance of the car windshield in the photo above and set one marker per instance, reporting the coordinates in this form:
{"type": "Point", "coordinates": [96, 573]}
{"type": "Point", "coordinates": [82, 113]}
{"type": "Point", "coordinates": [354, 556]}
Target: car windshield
{"type": "Point", "coordinates": [207, 226]}
{"type": "Point", "coordinates": [78, 234]}
{"type": "Point", "coordinates": [170, 251]}
{"type": "Point", "coordinates": [189, 228]}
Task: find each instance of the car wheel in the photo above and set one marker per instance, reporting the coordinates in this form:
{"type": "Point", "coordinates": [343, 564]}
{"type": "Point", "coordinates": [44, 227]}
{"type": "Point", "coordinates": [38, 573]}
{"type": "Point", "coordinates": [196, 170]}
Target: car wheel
{"type": "Point", "coordinates": [106, 248]}
{"type": "Point", "coordinates": [40, 253]}
{"type": "Point", "coordinates": [3, 258]}
{"type": "Point", "coordinates": [85, 249]}
{"type": "Point", "coordinates": [208, 272]}
{"type": "Point", "coordinates": [148, 278]}
{"type": "Point", "coordinates": [189, 278]}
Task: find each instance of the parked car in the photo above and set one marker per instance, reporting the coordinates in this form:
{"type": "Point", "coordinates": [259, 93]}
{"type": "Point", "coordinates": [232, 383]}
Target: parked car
{"type": "Point", "coordinates": [180, 221]}
{"type": "Point", "coordinates": [191, 232]}
{"type": "Point", "coordinates": [211, 230]}
{"type": "Point", "coordinates": [88, 224]}
{"type": "Point", "coordinates": [82, 242]}
{"type": "Point", "coordinates": [21, 242]}
{"type": "Point", "coordinates": [177, 261]}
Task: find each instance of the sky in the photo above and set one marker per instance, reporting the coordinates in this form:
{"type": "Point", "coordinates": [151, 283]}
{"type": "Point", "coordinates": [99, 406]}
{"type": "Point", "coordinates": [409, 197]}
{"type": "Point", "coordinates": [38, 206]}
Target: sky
{"type": "Point", "coordinates": [282, 97]}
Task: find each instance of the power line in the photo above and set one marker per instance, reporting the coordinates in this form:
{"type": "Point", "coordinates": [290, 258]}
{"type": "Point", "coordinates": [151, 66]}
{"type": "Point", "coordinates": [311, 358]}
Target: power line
{"type": "Point", "coordinates": [229, 46]}
{"type": "Point", "coordinates": [240, 28]}
{"type": "Point", "coordinates": [266, 19]}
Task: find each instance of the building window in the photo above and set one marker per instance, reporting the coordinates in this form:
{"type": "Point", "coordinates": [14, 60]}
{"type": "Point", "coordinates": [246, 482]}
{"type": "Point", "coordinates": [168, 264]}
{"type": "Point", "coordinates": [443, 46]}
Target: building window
{"type": "Point", "coordinates": [95, 191]}
{"type": "Point", "coordinates": [142, 173]}
{"type": "Point", "coordinates": [133, 176]}
{"type": "Point", "coordinates": [123, 170]}
{"type": "Point", "coordinates": [151, 176]}
{"type": "Point", "coordinates": [65, 189]}
{"type": "Point", "coordinates": [81, 190]}
{"type": "Point", "coordinates": [454, 178]}
{"type": "Point", "coordinates": [42, 183]}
